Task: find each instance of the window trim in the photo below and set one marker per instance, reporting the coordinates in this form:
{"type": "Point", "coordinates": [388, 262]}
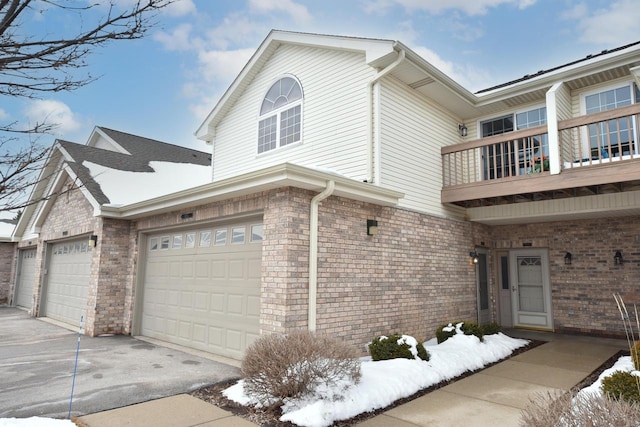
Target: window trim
{"type": "Point", "coordinates": [277, 112]}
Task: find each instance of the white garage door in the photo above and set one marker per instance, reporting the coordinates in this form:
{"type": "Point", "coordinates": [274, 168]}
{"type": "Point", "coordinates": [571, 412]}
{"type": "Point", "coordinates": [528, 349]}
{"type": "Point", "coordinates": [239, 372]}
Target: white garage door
{"type": "Point", "coordinates": [202, 287]}
{"type": "Point", "coordinates": [26, 278]}
{"type": "Point", "coordinates": [67, 281]}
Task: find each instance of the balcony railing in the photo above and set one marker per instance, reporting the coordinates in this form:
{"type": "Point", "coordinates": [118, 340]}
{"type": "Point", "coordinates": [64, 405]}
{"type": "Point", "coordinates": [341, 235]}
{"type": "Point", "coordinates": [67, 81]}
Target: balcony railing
{"type": "Point", "coordinates": [589, 140]}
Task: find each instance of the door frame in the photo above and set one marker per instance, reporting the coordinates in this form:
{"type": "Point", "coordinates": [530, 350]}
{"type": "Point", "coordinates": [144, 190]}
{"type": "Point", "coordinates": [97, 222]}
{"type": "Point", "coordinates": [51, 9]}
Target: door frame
{"type": "Point", "coordinates": [525, 319]}
{"type": "Point", "coordinates": [484, 315]}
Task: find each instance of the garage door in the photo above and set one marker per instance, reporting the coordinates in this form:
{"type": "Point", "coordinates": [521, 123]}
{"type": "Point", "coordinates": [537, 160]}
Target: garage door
{"type": "Point", "coordinates": [26, 279]}
{"type": "Point", "coordinates": [67, 281]}
{"type": "Point", "coordinates": [202, 287]}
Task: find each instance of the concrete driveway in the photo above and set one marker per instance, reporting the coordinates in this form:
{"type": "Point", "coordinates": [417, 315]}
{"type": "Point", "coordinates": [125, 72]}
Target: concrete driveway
{"type": "Point", "coordinates": [37, 360]}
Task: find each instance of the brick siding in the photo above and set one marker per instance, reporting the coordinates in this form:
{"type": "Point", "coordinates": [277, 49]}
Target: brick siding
{"type": "Point", "coordinates": [7, 262]}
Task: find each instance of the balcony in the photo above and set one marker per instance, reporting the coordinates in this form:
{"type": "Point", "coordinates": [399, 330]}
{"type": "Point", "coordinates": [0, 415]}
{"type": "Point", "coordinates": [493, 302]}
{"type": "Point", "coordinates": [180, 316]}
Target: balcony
{"type": "Point", "coordinates": [591, 154]}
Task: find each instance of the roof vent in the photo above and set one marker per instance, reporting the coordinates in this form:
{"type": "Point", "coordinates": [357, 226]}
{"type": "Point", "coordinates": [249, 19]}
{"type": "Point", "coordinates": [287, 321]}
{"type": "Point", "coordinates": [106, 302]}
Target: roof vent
{"type": "Point", "coordinates": [186, 215]}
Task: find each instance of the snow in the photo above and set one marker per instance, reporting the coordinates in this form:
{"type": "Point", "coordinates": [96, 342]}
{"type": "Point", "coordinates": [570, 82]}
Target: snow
{"type": "Point", "coordinates": [6, 229]}
{"type": "Point", "coordinates": [125, 187]}
{"type": "Point", "coordinates": [386, 381]}
{"type": "Point", "coordinates": [624, 363]}
{"type": "Point", "coordinates": [35, 422]}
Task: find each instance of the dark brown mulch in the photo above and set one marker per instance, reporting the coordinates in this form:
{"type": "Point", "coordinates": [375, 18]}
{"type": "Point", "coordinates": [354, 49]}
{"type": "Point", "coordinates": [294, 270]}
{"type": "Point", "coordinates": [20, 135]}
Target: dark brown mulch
{"type": "Point", "coordinates": [213, 395]}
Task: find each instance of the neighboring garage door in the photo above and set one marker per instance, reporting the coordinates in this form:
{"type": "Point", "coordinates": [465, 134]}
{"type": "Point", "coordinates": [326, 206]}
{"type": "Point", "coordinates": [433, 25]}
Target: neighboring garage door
{"type": "Point", "coordinates": [26, 278]}
{"type": "Point", "coordinates": [202, 287]}
{"type": "Point", "coordinates": [67, 281]}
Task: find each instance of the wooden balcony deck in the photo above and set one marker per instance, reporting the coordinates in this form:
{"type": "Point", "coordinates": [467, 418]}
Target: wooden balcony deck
{"type": "Point", "coordinates": [598, 154]}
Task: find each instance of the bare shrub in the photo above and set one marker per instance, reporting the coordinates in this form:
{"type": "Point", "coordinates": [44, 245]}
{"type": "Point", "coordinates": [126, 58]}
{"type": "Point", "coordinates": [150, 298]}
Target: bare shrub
{"type": "Point", "coordinates": [298, 364]}
{"type": "Point", "coordinates": [569, 410]}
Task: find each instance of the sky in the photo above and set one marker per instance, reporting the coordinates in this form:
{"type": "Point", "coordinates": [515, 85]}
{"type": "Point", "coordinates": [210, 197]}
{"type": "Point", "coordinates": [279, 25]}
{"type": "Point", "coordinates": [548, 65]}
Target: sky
{"type": "Point", "coordinates": [163, 86]}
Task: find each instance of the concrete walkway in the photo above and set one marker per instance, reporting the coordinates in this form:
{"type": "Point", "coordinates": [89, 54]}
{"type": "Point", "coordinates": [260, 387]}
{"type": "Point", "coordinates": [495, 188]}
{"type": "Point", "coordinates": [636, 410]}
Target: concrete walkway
{"type": "Point", "coordinates": [492, 397]}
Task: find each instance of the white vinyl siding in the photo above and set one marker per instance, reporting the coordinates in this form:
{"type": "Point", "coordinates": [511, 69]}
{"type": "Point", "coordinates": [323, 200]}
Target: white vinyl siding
{"type": "Point", "coordinates": [412, 132]}
{"type": "Point", "coordinates": [334, 133]}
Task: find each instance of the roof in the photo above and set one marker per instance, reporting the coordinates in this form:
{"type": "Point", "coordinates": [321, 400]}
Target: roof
{"type": "Point", "coordinates": [559, 67]}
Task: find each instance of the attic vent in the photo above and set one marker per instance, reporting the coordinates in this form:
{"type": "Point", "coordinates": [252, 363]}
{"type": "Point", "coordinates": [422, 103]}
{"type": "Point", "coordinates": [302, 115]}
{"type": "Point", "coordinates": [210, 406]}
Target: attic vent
{"type": "Point", "coordinates": [64, 233]}
{"type": "Point", "coordinates": [420, 83]}
{"type": "Point", "coordinates": [186, 215]}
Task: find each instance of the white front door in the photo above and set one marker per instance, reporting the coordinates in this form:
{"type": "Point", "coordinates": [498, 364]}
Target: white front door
{"type": "Point", "coordinates": [482, 282]}
{"type": "Point", "coordinates": [531, 291]}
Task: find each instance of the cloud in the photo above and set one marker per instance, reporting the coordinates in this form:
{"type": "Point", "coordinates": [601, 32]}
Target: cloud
{"type": "Point", "coordinates": [180, 8]}
{"type": "Point", "coordinates": [614, 26]}
{"type": "Point", "coordinates": [468, 7]}
{"type": "Point", "coordinates": [223, 65]}
{"type": "Point", "coordinates": [4, 115]}
{"type": "Point", "coordinates": [299, 13]}
{"type": "Point", "coordinates": [52, 112]}
{"type": "Point", "coordinates": [178, 39]}
{"type": "Point", "coordinates": [470, 77]}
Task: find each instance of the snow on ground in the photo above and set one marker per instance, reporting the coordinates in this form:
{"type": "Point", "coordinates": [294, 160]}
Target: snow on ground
{"type": "Point", "coordinates": [167, 178]}
{"type": "Point", "coordinates": [624, 363]}
{"type": "Point", "coordinates": [386, 381]}
{"type": "Point", "coordinates": [35, 422]}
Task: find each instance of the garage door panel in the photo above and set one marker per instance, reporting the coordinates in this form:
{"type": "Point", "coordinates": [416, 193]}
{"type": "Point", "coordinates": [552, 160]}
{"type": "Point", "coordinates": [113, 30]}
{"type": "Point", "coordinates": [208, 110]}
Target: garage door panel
{"type": "Point", "coordinates": [218, 307]}
{"type": "Point", "coordinates": [26, 281]}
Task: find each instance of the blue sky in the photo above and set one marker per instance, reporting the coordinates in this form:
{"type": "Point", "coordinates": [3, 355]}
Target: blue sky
{"type": "Point", "coordinates": [163, 86]}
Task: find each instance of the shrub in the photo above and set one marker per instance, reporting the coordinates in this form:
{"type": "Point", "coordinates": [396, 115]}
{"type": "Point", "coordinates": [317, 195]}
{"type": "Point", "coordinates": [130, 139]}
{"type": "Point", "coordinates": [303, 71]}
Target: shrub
{"type": "Point", "coordinates": [569, 411]}
{"type": "Point", "coordinates": [444, 332]}
{"type": "Point", "coordinates": [397, 346]}
{"type": "Point", "coordinates": [294, 365]}
{"type": "Point", "coordinates": [622, 385]}
{"type": "Point", "coordinates": [635, 355]}
{"type": "Point", "coordinates": [491, 328]}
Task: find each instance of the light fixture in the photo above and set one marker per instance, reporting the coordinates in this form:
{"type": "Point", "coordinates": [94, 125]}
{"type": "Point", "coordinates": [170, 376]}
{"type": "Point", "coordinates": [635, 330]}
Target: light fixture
{"type": "Point", "coordinates": [617, 258]}
{"type": "Point", "coordinates": [372, 227]}
{"type": "Point", "coordinates": [474, 256]}
{"type": "Point", "coordinates": [567, 258]}
{"type": "Point", "coordinates": [93, 241]}
{"type": "Point", "coordinates": [462, 129]}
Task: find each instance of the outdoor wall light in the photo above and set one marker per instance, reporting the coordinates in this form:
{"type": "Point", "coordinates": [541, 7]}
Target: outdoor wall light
{"type": "Point", "coordinates": [372, 227]}
{"type": "Point", "coordinates": [462, 129]}
{"type": "Point", "coordinates": [474, 256]}
{"type": "Point", "coordinates": [93, 241]}
{"type": "Point", "coordinates": [567, 258]}
{"type": "Point", "coordinates": [617, 258]}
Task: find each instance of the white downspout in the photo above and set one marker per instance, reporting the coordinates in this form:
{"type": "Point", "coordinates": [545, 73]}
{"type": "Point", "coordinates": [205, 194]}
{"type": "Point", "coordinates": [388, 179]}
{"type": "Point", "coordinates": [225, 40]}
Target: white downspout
{"type": "Point", "coordinates": [371, 140]}
{"type": "Point", "coordinates": [313, 252]}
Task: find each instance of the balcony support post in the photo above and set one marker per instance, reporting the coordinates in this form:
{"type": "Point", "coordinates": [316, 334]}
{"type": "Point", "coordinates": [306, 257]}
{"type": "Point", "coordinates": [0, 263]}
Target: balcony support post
{"type": "Point", "coordinates": [552, 126]}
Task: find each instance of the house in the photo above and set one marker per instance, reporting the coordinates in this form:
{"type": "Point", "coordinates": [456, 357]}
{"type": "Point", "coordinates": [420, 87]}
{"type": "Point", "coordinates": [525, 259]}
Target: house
{"type": "Point", "coordinates": [7, 253]}
{"type": "Point", "coordinates": [354, 189]}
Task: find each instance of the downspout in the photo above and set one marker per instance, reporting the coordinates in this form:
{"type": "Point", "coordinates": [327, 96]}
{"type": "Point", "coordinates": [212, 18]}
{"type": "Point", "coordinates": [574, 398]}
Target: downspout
{"type": "Point", "coordinates": [313, 252]}
{"type": "Point", "coordinates": [370, 118]}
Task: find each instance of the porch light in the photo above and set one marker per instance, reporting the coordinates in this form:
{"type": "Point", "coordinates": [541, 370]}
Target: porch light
{"type": "Point", "coordinates": [93, 241]}
{"type": "Point", "coordinates": [372, 227]}
{"type": "Point", "coordinates": [474, 256]}
{"type": "Point", "coordinates": [617, 258]}
{"type": "Point", "coordinates": [462, 129]}
{"type": "Point", "coordinates": [567, 258]}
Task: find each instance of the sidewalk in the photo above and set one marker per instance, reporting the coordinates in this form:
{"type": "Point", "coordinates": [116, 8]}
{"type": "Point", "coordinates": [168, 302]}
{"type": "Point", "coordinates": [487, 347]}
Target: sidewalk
{"type": "Point", "coordinates": [494, 396]}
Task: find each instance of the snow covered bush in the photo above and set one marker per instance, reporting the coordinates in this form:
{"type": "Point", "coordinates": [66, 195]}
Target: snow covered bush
{"type": "Point", "coordinates": [622, 385]}
{"type": "Point", "coordinates": [491, 328]}
{"type": "Point", "coordinates": [397, 347]}
{"type": "Point", "coordinates": [568, 410]}
{"type": "Point", "coordinates": [444, 332]}
{"type": "Point", "coordinates": [298, 364]}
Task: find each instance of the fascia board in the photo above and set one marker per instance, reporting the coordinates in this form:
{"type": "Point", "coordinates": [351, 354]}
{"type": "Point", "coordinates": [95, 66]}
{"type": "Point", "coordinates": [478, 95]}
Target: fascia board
{"type": "Point", "coordinates": [283, 175]}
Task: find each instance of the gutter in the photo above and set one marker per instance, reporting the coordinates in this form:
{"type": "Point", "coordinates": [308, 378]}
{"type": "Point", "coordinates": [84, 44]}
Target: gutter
{"type": "Point", "coordinates": [313, 252]}
{"type": "Point", "coordinates": [370, 129]}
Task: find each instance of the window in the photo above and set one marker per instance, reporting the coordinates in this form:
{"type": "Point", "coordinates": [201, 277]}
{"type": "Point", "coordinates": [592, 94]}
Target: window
{"type": "Point", "coordinates": [190, 240]}
{"type": "Point", "coordinates": [221, 237]}
{"type": "Point", "coordinates": [177, 241]}
{"type": "Point", "coordinates": [610, 137]}
{"type": "Point", "coordinates": [256, 233]}
{"type": "Point", "coordinates": [164, 242]}
{"type": "Point", "coordinates": [237, 235]}
{"type": "Point", "coordinates": [205, 238]}
{"type": "Point", "coordinates": [153, 245]}
{"type": "Point", "coordinates": [280, 121]}
{"type": "Point", "coordinates": [502, 159]}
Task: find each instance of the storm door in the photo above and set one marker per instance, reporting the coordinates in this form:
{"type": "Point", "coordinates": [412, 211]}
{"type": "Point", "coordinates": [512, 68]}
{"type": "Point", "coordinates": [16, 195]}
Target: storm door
{"type": "Point", "coordinates": [530, 289]}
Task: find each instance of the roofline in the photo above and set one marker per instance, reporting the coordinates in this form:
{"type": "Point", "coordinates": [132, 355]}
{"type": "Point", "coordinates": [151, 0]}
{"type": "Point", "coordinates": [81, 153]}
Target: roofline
{"type": "Point", "coordinates": [282, 175]}
{"type": "Point", "coordinates": [374, 49]}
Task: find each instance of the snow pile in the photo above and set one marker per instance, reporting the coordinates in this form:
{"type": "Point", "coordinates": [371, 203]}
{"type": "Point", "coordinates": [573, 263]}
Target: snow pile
{"type": "Point", "coordinates": [386, 381]}
{"type": "Point", "coordinates": [624, 363]}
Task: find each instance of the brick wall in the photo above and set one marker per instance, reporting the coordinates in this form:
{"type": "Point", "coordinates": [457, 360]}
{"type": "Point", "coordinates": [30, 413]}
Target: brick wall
{"type": "Point", "coordinates": [7, 261]}
{"type": "Point", "coordinates": [582, 293]}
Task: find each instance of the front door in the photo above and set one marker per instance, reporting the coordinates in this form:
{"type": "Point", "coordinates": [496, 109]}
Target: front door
{"type": "Point", "coordinates": [531, 293]}
{"type": "Point", "coordinates": [482, 280]}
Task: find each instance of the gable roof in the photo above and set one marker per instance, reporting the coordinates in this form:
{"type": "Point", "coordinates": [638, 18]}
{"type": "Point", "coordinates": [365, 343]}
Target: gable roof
{"type": "Point", "coordinates": [119, 168]}
{"type": "Point", "coordinates": [426, 79]}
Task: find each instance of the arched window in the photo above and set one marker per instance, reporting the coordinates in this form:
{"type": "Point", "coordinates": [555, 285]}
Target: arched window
{"type": "Point", "coordinates": [280, 119]}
